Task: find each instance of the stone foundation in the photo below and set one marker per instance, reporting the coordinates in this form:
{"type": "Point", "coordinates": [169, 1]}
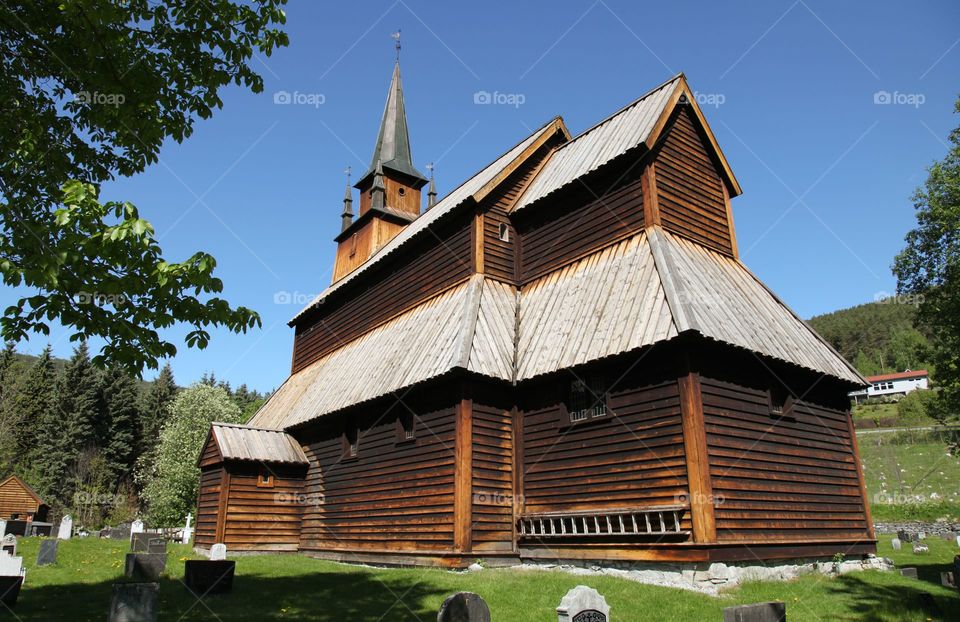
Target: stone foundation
{"type": "Point", "coordinates": [711, 578]}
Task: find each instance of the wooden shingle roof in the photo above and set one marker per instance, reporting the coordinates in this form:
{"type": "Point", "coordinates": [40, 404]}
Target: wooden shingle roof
{"type": "Point", "coordinates": [240, 442]}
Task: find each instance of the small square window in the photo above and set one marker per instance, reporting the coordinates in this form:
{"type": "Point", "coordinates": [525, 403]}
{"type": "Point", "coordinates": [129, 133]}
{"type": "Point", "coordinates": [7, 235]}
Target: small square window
{"type": "Point", "coordinates": [504, 232]}
{"type": "Point", "coordinates": [781, 403]}
{"type": "Point", "coordinates": [265, 479]}
{"type": "Point", "coordinates": [351, 442]}
{"type": "Point", "coordinates": [586, 400]}
{"type": "Point", "coordinates": [406, 427]}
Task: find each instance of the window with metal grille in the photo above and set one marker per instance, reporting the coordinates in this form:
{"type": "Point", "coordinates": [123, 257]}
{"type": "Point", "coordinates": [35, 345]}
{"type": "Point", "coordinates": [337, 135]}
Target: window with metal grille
{"type": "Point", "coordinates": [406, 427]}
{"type": "Point", "coordinates": [586, 399]}
{"type": "Point", "coordinates": [351, 442]}
{"type": "Point", "coordinates": [504, 232]}
{"type": "Point", "coordinates": [781, 403]}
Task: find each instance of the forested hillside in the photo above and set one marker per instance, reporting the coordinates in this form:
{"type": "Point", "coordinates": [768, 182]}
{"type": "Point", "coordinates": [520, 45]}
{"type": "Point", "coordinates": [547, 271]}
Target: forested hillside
{"type": "Point", "coordinates": [877, 337]}
{"type": "Point", "coordinates": [81, 436]}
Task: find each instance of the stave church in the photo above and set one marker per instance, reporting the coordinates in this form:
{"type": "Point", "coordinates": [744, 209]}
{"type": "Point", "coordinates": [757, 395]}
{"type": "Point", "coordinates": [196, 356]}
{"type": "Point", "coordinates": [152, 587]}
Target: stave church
{"type": "Point", "coordinates": [563, 358]}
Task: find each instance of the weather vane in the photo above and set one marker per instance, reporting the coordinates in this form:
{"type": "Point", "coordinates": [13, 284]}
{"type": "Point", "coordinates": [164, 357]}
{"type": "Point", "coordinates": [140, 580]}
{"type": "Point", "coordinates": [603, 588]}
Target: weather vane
{"type": "Point", "coordinates": [396, 37]}
{"type": "Point", "coordinates": [430, 168]}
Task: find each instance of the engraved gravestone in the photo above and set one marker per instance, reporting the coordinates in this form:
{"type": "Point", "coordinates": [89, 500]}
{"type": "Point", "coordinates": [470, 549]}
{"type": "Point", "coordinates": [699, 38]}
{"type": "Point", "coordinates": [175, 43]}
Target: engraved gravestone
{"type": "Point", "coordinates": [910, 573]}
{"type": "Point", "coordinates": [48, 552]}
{"type": "Point", "coordinates": [146, 566]}
{"type": "Point", "coordinates": [895, 543]}
{"type": "Point", "coordinates": [757, 612]}
{"type": "Point", "coordinates": [156, 545]}
{"type": "Point", "coordinates": [583, 604]}
{"type": "Point", "coordinates": [134, 602]}
{"type": "Point", "coordinates": [8, 544]}
{"type": "Point", "coordinates": [464, 607]}
{"type": "Point", "coordinates": [66, 528]}
{"type": "Point", "coordinates": [218, 552]}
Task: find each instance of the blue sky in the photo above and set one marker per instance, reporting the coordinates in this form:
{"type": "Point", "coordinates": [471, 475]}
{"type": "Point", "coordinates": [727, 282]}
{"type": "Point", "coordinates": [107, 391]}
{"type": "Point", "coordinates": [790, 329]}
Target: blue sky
{"type": "Point", "coordinates": [790, 89]}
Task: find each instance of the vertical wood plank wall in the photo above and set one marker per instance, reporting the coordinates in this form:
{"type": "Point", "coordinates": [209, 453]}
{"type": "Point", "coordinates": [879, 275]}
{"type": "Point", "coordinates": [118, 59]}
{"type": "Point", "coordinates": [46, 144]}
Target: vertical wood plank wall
{"type": "Point", "coordinates": [492, 478]}
{"type": "Point", "coordinates": [208, 504]}
{"type": "Point", "coordinates": [780, 479]}
{"type": "Point", "coordinates": [394, 495]}
{"type": "Point", "coordinates": [691, 200]}
{"type": "Point", "coordinates": [635, 458]}
{"type": "Point", "coordinates": [263, 518]}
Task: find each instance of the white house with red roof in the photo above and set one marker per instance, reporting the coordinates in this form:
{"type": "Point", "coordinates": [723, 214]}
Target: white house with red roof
{"type": "Point", "coordinates": [899, 383]}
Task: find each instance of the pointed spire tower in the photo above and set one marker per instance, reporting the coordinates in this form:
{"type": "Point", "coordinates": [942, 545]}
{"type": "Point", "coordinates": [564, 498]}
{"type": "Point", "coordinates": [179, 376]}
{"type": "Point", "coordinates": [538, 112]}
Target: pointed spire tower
{"type": "Point", "coordinates": [346, 216]}
{"type": "Point", "coordinates": [389, 189]}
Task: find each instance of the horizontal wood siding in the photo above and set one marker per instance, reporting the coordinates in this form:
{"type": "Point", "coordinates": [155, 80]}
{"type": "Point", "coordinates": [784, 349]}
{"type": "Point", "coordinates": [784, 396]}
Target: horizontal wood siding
{"type": "Point", "coordinates": [633, 458]}
{"type": "Point", "coordinates": [590, 216]}
{"type": "Point", "coordinates": [689, 189]}
{"type": "Point", "coordinates": [415, 274]}
{"type": "Point", "coordinates": [780, 479]}
{"type": "Point", "coordinates": [492, 478]}
{"type": "Point", "coordinates": [210, 454]}
{"type": "Point", "coordinates": [394, 495]}
{"type": "Point", "coordinates": [263, 518]}
{"type": "Point", "coordinates": [499, 255]}
{"type": "Point", "coordinates": [207, 504]}
{"type": "Point", "coordinates": [14, 499]}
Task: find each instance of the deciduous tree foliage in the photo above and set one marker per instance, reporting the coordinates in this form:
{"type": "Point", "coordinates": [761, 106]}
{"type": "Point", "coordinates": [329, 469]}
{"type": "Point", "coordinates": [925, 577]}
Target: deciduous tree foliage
{"type": "Point", "coordinates": [929, 269]}
{"type": "Point", "coordinates": [91, 89]}
{"type": "Point", "coordinates": [173, 481]}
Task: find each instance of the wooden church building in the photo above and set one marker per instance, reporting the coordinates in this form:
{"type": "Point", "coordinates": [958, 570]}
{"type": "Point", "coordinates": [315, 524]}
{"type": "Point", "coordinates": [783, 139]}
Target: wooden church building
{"type": "Point", "coordinates": [563, 358]}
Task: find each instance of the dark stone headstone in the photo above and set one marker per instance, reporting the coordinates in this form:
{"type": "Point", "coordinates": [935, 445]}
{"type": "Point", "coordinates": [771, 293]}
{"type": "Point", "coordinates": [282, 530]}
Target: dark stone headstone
{"type": "Point", "coordinates": [946, 579]}
{"type": "Point", "coordinates": [140, 542]}
{"type": "Point", "coordinates": [147, 566]}
{"type": "Point", "coordinates": [464, 607]}
{"type": "Point", "coordinates": [134, 602]}
{"type": "Point", "coordinates": [156, 545]}
{"type": "Point", "coordinates": [905, 536]}
{"type": "Point", "coordinates": [120, 532]}
{"type": "Point", "coordinates": [17, 527]}
{"type": "Point", "coordinates": [10, 590]}
{"type": "Point", "coordinates": [203, 576]}
{"type": "Point", "coordinates": [48, 552]}
{"type": "Point", "coordinates": [758, 612]}
{"type": "Point", "coordinates": [910, 573]}
{"type": "Point", "coordinates": [40, 530]}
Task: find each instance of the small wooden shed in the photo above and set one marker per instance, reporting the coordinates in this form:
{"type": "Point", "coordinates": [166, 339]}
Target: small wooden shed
{"type": "Point", "coordinates": [251, 489]}
{"type": "Point", "coordinates": [18, 501]}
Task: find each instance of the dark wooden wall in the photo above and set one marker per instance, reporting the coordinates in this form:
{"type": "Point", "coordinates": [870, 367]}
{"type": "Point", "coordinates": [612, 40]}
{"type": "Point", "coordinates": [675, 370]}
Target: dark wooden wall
{"type": "Point", "coordinates": [632, 458]}
{"type": "Point", "coordinates": [14, 499]}
{"type": "Point", "coordinates": [690, 194]}
{"type": "Point", "coordinates": [394, 495]}
{"type": "Point", "coordinates": [208, 502]}
{"type": "Point", "coordinates": [492, 481]}
{"type": "Point", "coordinates": [411, 276]}
{"type": "Point", "coordinates": [585, 217]}
{"type": "Point", "coordinates": [262, 518]}
{"type": "Point", "coordinates": [789, 478]}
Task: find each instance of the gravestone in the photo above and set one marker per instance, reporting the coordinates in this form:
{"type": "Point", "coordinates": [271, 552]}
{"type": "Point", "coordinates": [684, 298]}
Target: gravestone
{"type": "Point", "coordinates": [140, 541]}
{"type": "Point", "coordinates": [135, 528]}
{"type": "Point", "coordinates": [922, 535]}
{"type": "Point", "coordinates": [187, 530]}
{"type": "Point", "coordinates": [3, 527]}
{"type": "Point", "coordinates": [147, 566]}
{"type": "Point", "coordinates": [958, 540]}
{"type": "Point", "coordinates": [583, 604]}
{"type": "Point", "coordinates": [11, 566]}
{"type": "Point", "coordinates": [134, 602]}
{"type": "Point", "coordinates": [904, 535]}
{"type": "Point", "coordinates": [8, 545]}
{"type": "Point", "coordinates": [48, 552]}
{"type": "Point", "coordinates": [919, 548]}
{"type": "Point", "coordinates": [120, 532]}
{"type": "Point", "coordinates": [66, 528]}
{"type": "Point", "coordinates": [157, 545]}
{"type": "Point", "coordinates": [910, 573]}
{"type": "Point", "coordinates": [895, 543]}
{"type": "Point", "coordinates": [204, 576]}
{"type": "Point", "coordinates": [218, 552]}
{"type": "Point", "coordinates": [946, 579]}
{"type": "Point", "coordinates": [757, 612]}
{"type": "Point", "coordinates": [17, 527]}
{"type": "Point", "coordinates": [464, 607]}
{"type": "Point", "coordinates": [10, 589]}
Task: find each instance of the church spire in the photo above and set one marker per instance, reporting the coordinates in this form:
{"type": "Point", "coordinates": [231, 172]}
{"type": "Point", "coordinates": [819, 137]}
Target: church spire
{"type": "Point", "coordinates": [432, 190]}
{"type": "Point", "coordinates": [347, 215]}
{"type": "Point", "coordinates": [393, 142]}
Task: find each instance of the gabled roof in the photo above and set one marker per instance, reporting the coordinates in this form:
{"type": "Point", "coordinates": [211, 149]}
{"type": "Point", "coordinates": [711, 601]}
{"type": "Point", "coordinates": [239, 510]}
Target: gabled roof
{"type": "Point", "coordinates": [474, 189]}
{"type": "Point", "coordinates": [25, 486]}
{"type": "Point", "coordinates": [241, 442]}
{"type": "Point", "coordinates": [640, 123]}
{"type": "Point", "coordinates": [393, 142]}
{"type": "Point", "coordinates": [903, 375]}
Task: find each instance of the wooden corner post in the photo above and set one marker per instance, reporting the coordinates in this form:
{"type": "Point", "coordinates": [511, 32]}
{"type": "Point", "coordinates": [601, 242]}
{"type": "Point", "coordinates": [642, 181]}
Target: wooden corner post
{"type": "Point", "coordinates": [860, 481]}
{"type": "Point", "coordinates": [463, 476]}
{"type": "Point", "coordinates": [698, 462]}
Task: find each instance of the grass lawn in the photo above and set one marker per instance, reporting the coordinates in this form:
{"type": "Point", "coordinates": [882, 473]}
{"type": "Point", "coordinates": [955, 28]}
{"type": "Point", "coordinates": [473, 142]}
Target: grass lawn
{"type": "Point", "coordinates": [910, 476]}
{"type": "Point", "coordinates": [289, 587]}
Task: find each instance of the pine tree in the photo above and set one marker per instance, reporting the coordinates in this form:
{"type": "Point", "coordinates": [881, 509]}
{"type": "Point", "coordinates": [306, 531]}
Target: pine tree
{"type": "Point", "coordinates": [10, 418]}
{"type": "Point", "coordinates": [77, 400]}
{"type": "Point", "coordinates": [118, 396]}
{"type": "Point", "coordinates": [156, 407]}
{"type": "Point", "coordinates": [44, 458]}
